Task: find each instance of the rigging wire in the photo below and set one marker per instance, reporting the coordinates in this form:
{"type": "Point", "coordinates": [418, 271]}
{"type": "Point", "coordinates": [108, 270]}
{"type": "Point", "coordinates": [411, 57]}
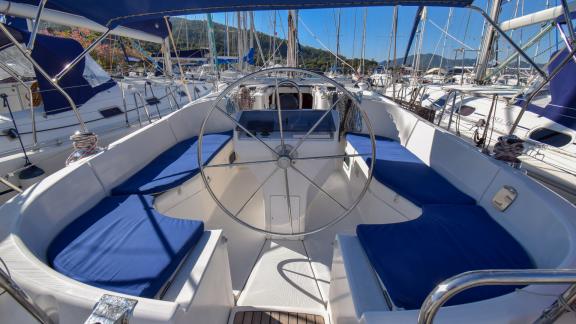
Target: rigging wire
{"type": "Point", "coordinates": [449, 35]}
{"type": "Point", "coordinates": [322, 44]}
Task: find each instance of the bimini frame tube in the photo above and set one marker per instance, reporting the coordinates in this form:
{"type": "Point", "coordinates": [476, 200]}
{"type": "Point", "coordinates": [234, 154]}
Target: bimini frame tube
{"type": "Point", "coordinates": [509, 40]}
{"type": "Point", "coordinates": [568, 19]}
{"type": "Point", "coordinates": [545, 30]}
{"type": "Point", "coordinates": [28, 56]}
{"type": "Point", "coordinates": [32, 39]}
{"type": "Point", "coordinates": [569, 44]}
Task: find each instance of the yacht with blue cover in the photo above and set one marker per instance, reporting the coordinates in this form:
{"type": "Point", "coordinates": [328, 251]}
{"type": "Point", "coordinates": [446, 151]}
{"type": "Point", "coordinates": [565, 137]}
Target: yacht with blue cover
{"type": "Point", "coordinates": [37, 120]}
{"type": "Point", "coordinates": [286, 197]}
{"type": "Point", "coordinates": [482, 112]}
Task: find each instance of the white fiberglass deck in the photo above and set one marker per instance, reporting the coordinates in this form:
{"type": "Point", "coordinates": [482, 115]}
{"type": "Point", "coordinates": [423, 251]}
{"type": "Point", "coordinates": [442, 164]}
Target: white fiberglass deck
{"type": "Point", "coordinates": [282, 278]}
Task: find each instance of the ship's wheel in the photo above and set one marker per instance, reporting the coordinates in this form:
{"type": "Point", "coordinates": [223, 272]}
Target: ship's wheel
{"type": "Point", "coordinates": [283, 155]}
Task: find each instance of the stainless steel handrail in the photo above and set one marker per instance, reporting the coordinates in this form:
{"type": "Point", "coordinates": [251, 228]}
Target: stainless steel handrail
{"type": "Point", "coordinates": [170, 93]}
{"type": "Point", "coordinates": [14, 74]}
{"type": "Point", "coordinates": [452, 286]}
{"type": "Point", "coordinates": [20, 296]}
{"type": "Point", "coordinates": [136, 94]}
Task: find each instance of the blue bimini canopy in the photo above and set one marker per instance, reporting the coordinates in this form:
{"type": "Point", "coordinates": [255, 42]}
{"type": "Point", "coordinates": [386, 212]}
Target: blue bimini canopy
{"type": "Point", "coordinates": [112, 13]}
{"type": "Point", "coordinates": [156, 26]}
{"type": "Point", "coordinates": [16, 22]}
{"type": "Point", "coordinates": [562, 19]}
{"type": "Point", "coordinates": [53, 54]}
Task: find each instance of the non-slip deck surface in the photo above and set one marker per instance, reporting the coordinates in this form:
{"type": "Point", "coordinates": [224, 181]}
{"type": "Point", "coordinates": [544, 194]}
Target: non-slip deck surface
{"type": "Point", "coordinates": [282, 277]}
{"type": "Point", "coordinates": [270, 317]}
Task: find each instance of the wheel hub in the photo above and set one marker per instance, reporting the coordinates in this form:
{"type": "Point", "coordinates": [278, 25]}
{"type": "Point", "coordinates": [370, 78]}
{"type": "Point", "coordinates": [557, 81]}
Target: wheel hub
{"type": "Point", "coordinates": [284, 162]}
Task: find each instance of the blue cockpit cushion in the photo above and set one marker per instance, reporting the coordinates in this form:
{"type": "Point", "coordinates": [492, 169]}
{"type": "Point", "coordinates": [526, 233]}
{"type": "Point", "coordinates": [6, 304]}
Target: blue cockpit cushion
{"type": "Point", "coordinates": [412, 258]}
{"type": "Point", "coordinates": [124, 245]}
{"type": "Point", "coordinates": [174, 166]}
{"type": "Point", "coordinates": [400, 170]}
{"type": "Point", "coordinates": [386, 149]}
{"type": "Point", "coordinates": [418, 183]}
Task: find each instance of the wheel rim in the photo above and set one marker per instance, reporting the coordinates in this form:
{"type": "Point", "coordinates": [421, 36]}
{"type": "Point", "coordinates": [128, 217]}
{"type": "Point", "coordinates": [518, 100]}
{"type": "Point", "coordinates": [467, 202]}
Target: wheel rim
{"type": "Point", "coordinates": [285, 155]}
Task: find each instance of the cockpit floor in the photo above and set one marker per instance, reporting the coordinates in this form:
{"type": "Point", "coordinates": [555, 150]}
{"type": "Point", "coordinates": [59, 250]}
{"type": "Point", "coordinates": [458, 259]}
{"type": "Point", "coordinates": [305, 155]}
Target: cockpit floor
{"type": "Point", "coordinates": [283, 277]}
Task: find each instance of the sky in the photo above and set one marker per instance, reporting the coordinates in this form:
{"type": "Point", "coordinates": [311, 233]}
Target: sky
{"type": "Point", "coordinates": [466, 25]}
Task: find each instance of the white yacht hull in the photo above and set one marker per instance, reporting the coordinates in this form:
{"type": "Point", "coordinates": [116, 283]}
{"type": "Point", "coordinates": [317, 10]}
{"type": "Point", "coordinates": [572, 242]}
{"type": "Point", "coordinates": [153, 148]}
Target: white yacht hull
{"type": "Point", "coordinates": [53, 131]}
{"type": "Point", "coordinates": [310, 275]}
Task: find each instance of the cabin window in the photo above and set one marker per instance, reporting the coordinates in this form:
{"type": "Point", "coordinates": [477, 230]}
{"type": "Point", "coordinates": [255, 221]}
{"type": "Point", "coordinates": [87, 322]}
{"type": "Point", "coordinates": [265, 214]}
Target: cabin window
{"type": "Point", "coordinates": [110, 112]}
{"type": "Point", "coordinates": [466, 111]}
{"type": "Point", "coordinates": [290, 100]}
{"type": "Point", "coordinates": [550, 137]}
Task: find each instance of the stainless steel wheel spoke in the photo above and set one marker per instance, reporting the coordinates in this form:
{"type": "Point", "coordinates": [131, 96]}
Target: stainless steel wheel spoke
{"type": "Point", "coordinates": [313, 128]}
{"type": "Point", "coordinates": [327, 157]}
{"type": "Point", "coordinates": [282, 158]}
{"type": "Point", "coordinates": [288, 199]}
{"type": "Point", "coordinates": [224, 165]}
{"type": "Point", "coordinates": [245, 129]}
{"type": "Point", "coordinates": [256, 191]}
{"type": "Point", "coordinates": [318, 187]}
{"type": "Point", "coordinates": [279, 109]}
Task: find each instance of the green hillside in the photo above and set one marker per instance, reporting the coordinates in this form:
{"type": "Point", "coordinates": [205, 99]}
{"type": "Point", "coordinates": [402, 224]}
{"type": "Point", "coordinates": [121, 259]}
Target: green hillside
{"type": "Point", "coordinates": [192, 34]}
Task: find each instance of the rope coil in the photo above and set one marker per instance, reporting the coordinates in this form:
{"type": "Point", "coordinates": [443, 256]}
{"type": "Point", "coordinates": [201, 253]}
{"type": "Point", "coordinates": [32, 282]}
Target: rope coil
{"type": "Point", "coordinates": [85, 144]}
{"type": "Point", "coordinates": [508, 149]}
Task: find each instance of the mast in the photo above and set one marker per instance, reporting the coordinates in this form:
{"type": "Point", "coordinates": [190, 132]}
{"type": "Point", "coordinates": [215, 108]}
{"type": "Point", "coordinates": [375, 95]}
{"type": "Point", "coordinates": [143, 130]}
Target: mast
{"type": "Point", "coordinates": [487, 43]}
{"type": "Point", "coordinates": [212, 43]}
{"type": "Point", "coordinates": [395, 32]}
{"type": "Point", "coordinates": [239, 40]}
{"type": "Point", "coordinates": [253, 29]}
{"type": "Point", "coordinates": [390, 43]}
{"type": "Point", "coordinates": [420, 40]}
{"type": "Point", "coordinates": [167, 56]}
{"type": "Point", "coordinates": [245, 33]}
{"type": "Point", "coordinates": [521, 41]}
{"type": "Point", "coordinates": [363, 42]}
{"type": "Point", "coordinates": [186, 31]}
{"type": "Point", "coordinates": [445, 37]}
{"type": "Point", "coordinates": [354, 37]}
{"type": "Point", "coordinates": [415, 26]}
{"type": "Point", "coordinates": [337, 39]}
{"type": "Point", "coordinates": [274, 41]}
{"type": "Point", "coordinates": [292, 57]}
{"type": "Point", "coordinates": [227, 35]}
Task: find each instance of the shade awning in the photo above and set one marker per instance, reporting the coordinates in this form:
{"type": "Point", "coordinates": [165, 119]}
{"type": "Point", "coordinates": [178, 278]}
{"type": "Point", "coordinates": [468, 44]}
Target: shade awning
{"type": "Point", "coordinates": [112, 13]}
